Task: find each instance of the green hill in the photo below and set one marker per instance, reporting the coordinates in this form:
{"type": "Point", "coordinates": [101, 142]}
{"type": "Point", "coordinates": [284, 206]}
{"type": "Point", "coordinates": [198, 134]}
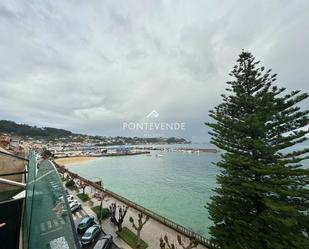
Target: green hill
{"type": "Point", "coordinates": [11, 127]}
{"type": "Point", "coordinates": [49, 133]}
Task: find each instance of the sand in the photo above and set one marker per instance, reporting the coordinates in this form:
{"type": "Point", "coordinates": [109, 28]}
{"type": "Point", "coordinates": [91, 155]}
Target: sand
{"type": "Point", "coordinates": [72, 160]}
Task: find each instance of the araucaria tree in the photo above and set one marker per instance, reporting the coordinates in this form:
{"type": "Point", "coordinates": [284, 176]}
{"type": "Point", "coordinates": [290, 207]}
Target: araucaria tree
{"type": "Point", "coordinates": [262, 200]}
{"type": "Point", "coordinates": [118, 219]}
{"type": "Point", "coordinates": [139, 226]}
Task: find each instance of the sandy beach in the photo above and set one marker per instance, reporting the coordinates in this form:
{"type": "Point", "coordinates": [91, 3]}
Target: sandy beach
{"type": "Point", "coordinates": [71, 160]}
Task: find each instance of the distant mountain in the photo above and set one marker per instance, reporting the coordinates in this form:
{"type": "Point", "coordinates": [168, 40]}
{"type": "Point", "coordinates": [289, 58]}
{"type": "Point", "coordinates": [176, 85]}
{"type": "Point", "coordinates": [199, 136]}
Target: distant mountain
{"type": "Point", "coordinates": [48, 133]}
{"type": "Point", "coordinates": [11, 127]}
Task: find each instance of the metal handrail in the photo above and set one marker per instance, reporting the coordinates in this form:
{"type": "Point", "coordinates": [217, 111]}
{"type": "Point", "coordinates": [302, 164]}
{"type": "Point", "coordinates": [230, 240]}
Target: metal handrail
{"type": "Point", "coordinates": [14, 173]}
{"type": "Point", "coordinates": [179, 228]}
{"type": "Point", "coordinates": [14, 156]}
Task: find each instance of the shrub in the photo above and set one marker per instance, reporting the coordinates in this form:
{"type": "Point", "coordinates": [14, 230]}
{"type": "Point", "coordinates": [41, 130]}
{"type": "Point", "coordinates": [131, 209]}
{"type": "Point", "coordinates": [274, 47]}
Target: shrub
{"type": "Point", "coordinates": [70, 183]}
{"type": "Point", "coordinates": [105, 212]}
{"type": "Point", "coordinates": [83, 197]}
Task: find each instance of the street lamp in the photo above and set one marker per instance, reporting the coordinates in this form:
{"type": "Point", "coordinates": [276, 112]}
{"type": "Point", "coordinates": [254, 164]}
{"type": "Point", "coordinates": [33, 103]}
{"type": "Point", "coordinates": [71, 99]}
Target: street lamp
{"type": "Point", "coordinates": [101, 197]}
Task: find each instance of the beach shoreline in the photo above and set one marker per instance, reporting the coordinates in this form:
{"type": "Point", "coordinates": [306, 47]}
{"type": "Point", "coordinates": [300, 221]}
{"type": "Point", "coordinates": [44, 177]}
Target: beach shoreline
{"type": "Point", "coordinates": [68, 161]}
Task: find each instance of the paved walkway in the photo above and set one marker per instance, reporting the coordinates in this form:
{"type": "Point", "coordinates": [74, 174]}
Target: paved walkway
{"type": "Point", "coordinates": [151, 232]}
{"type": "Point", "coordinates": [107, 226]}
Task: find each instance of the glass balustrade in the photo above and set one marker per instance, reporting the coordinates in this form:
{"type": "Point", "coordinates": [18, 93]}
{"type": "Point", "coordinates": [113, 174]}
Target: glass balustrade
{"type": "Point", "coordinates": [48, 221]}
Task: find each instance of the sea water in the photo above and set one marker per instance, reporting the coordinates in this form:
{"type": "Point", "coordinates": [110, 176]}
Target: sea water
{"type": "Point", "coordinates": [177, 185]}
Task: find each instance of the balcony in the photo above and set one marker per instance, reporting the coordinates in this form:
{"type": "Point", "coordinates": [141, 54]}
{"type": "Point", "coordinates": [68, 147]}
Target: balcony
{"type": "Point", "coordinates": [41, 216]}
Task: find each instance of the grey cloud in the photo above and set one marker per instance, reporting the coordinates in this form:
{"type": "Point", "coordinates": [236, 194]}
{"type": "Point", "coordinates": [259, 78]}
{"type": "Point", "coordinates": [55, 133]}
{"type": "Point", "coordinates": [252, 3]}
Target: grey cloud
{"type": "Point", "coordinates": [89, 66]}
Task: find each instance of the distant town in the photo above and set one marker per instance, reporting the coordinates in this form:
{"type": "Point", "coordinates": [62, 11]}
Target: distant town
{"type": "Point", "coordinates": [63, 143]}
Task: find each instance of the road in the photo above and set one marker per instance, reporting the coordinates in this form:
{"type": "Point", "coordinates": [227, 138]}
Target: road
{"type": "Point", "coordinates": [77, 216]}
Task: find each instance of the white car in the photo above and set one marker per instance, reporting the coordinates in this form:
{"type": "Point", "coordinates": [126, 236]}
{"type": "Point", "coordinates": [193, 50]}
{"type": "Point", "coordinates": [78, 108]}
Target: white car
{"type": "Point", "coordinates": [74, 205]}
{"type": "Point", "coordinates": [70, 201]}
{"type": "Point", "coordinates": [70, 198]}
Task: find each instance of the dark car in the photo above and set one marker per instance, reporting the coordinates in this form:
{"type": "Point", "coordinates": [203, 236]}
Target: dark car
{"type": "Point", "coordinates": [104, 242]}
{"type": "Point", "coordinates": [85, 223]}
{"type": "Point", "coordinates": [90, 235]}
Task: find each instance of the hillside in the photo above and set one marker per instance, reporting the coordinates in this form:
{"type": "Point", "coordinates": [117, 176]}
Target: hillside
{"type": "Point", "coordinates": [11, 127]}
{"type": "Point", "coordinates": [48, 133]}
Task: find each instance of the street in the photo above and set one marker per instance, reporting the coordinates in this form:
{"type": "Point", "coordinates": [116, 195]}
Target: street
{"type": "Point", "coordinates": [77, 217]}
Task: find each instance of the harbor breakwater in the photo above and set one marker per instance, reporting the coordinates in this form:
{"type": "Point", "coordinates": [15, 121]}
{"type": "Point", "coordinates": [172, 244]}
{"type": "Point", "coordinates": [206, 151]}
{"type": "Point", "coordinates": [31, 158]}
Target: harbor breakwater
{"type": "Point", "coordinates": [178, 149]}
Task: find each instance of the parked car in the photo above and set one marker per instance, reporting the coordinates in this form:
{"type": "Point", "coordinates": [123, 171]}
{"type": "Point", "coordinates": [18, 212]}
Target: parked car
{"type": "Point", "coordinates": [85, 223]}
{"type": "Point", "coordinates": [104, 242]}
{"type": "Point", "coordinates": [74, 205]}
{"type": "Point", "coordinates": [70, 198]}
{"type": "Point", "coordinates": [90, 235]}
{"type": "Point", "coordinates": [71, 201]}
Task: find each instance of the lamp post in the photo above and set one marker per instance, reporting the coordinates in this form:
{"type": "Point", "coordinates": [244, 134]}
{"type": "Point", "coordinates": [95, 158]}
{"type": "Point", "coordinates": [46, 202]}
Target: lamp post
{"type": "Point", "coordinates": [101, 197]}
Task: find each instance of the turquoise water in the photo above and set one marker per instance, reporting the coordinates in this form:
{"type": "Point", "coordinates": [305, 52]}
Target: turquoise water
{"type": "Point", "coordinates": [177, 185]}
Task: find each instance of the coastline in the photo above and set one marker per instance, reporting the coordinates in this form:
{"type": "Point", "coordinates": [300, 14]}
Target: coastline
{"type": "Point", "coordinates": [68, 161]}
{"type": "Point", "coordinates": [156, 225]}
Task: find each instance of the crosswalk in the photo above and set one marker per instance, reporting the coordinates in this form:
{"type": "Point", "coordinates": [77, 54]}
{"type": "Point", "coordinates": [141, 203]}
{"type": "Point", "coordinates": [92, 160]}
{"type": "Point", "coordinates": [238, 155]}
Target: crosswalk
{"type": "Point", "coordinates": [56, 224]}
{"type": "Point", "coordinates": [78, 214]}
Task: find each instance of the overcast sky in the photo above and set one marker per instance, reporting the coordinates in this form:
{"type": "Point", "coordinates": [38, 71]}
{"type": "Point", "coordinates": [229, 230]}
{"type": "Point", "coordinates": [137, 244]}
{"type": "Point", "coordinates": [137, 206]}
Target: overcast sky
{"type": "Point", "coordinates": [89, 66]}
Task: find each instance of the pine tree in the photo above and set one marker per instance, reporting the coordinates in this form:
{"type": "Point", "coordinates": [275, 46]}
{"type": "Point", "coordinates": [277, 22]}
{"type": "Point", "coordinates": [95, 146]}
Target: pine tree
{"type": "Point", "coordinates": [262, 197]}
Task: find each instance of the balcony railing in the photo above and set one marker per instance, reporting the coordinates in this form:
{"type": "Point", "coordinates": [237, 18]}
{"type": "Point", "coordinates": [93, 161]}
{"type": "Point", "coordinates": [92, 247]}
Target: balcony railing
{"type": "Point", "coordinates": [47, 219]}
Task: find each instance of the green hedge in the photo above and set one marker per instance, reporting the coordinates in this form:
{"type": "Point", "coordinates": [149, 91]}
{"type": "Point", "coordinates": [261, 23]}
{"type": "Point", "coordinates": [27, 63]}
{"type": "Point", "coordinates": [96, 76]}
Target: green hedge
{"type": "Point", "coordinates": [71, 185]}
{"type": "Point", "coordinates": [131, 239]}
{"type": "Point", "coordinates": [105, 212]}
{"type": "Point", "coordinates": [83, 197]}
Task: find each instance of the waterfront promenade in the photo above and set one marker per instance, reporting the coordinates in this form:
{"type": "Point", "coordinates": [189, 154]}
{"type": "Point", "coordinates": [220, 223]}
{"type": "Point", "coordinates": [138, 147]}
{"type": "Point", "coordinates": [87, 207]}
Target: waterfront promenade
{"type": "Point", "coordinates": [155, 228]}
{"type": "Point", "coordinates": [151, 232]}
